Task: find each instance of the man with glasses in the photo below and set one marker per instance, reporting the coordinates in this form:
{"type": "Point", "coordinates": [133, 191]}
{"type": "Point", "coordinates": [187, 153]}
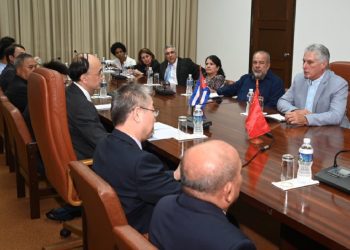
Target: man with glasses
{"type": "Point", "coordinates": [175, 70]}
{"type": "Point", "coordinates": [138, 176]}
{"type": "Point", "coordinates": [270, 85]}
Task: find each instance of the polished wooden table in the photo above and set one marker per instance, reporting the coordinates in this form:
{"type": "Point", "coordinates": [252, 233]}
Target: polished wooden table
{"type": "Point", "coordinates": [320, 212]}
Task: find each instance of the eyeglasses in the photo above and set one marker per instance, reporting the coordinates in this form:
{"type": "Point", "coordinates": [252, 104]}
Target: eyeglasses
{"type": "Point", "coordinates": [155, 111]}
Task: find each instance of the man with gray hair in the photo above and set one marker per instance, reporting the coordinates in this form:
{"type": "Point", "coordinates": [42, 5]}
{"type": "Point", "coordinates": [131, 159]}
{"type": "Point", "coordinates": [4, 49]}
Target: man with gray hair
{"type": "Point", "coordinates": [138, 176]}
{"type": "Point", "coordinates": [270, 85]}
{"type": "Point", "coordinates": [174, 69]}
{"type": "Point", "coordinates": [317, 96]}
{"type": "Point", "coordinates": [17, 91]}
{"type": "Point", "coordinates": [195, 219]}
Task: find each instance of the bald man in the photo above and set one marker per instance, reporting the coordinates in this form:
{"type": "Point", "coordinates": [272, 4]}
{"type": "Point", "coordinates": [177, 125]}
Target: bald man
{"type": "Point", "coordinates": [195, 219]}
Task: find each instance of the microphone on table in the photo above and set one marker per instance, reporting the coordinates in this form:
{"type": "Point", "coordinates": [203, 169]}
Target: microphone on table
{"type": "Point", "coordinates": [261, 149]}
{"type": "Point", "coordinates": [337, 170]}
{"type": "Point", "coordinates": [336, 176]}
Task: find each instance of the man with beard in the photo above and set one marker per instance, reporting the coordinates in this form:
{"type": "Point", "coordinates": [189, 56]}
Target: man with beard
{"type": "Point", "coordinates": [137, 176]}
{"type": "Point", "coordinates": [270, 85]}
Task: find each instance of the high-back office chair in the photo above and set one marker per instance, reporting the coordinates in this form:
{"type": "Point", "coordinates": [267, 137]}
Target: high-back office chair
{"type": "Point", "coordinates": [342, 68]}
{"type": "Point", "coordinates": [129, 239]}
{"type": "Point", "coordinates": [102, 208]}
{"type": "Point", "coordinates": [26, 159]}
{"type": "Point", "coordinates": [9, 151]}
{"type": "Point", "coordinates": [47, 107]}
{"type": "Point", "coordinates": [2, 128]}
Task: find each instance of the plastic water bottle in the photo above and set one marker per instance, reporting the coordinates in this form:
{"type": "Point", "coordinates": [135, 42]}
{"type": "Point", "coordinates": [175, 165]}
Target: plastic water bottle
{"type": "Point", "coordinates": [149, 75]}
{"type": "Point", "coordinates": [198, 120]}
{"type": "Point", "coordinates": [305, 160]}
{"type": "Point", "coordinates": [249, 100]}
{"type": "Point", "coordinates": [103, 89]}
{"type": "Point", "coordinates": [189, 85]}
{"type": "Point", "coordinates": [103, 62]}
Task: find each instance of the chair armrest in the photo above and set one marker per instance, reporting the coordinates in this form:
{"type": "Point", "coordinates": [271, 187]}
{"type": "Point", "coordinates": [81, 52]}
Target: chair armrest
{"type": "Point", "coordinates": [87, 162]}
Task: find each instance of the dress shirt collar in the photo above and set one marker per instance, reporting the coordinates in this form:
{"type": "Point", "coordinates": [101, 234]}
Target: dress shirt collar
{"type": "Point", "coordinates": [87, 95]}
{"type": "Point", "coordinates": [2, 66]}
{"type": "Point", "coordinates": [317, 81]}
{"type": "Point", "coordinates": [137, 141]}
{"type": "Point", "coordinates": [174, 64]}
{"type": "Point", "coordinates": [125, 136]}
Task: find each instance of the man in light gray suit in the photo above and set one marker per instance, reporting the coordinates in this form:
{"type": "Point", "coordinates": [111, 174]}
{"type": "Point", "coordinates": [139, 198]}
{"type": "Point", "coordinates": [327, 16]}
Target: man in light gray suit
{"type": "Point", "coordinates": [318, 97]}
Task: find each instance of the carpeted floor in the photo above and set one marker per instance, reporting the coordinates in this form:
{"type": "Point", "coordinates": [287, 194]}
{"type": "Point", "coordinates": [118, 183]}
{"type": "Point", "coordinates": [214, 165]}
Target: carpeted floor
{"type": "Point", "coordinates": [17, 230]}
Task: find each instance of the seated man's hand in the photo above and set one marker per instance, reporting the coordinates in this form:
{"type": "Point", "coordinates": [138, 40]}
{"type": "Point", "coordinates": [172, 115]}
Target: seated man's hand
{"type": "Point", "coordinates": [297, 117]}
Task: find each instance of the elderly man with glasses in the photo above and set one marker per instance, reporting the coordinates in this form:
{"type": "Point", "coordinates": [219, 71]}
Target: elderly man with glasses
{"type": "Point", "coordinates": [138, 176]}
{"type": "Point", "coordinates": [174, 69]}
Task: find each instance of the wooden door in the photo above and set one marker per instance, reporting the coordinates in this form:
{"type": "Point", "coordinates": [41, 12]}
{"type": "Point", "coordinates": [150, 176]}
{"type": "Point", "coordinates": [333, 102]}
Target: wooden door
{"type": "Point", "coordinates": [273, 30]}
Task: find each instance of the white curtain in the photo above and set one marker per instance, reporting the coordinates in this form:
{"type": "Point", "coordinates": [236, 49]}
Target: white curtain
{"type": "Point", "coordinates": [55, 28]}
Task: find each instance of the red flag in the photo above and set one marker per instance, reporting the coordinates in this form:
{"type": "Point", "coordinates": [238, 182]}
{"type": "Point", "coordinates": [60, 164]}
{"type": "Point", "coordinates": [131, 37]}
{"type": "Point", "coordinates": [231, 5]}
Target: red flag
{"type": "Point", "coordinates": [255, 123]}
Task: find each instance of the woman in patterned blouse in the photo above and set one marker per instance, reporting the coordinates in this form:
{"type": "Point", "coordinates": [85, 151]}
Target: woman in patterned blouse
{"type": "Point", "coordinates": [214, 73]}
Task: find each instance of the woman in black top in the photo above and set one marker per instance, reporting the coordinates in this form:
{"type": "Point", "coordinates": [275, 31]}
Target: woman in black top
{"type": "Point", "coordinates": [146, 59]}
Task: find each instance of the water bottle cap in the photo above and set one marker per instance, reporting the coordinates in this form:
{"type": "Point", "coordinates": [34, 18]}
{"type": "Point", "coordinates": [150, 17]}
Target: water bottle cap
{"type": "Point", "coordinates": [190, 75]}
{"type": "Point", "coordinates": [198, 106]}
{"type": "Point", "coordinates": [250, 90]}
{"type": "Point", "coordinates": [307, 140]}
{"type": "Point", "coordinates": [149, 68]}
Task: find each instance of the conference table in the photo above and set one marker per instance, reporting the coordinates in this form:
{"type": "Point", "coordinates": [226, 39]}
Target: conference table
{"type": "Point", "coordinates": [320, 212]}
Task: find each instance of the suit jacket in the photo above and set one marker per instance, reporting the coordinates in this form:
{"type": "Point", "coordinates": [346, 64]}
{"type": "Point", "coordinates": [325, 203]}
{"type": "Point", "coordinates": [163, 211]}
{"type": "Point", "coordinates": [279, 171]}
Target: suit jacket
{"type": "Point", "coordinates": [184, 222]}
{"type": "Point", "coordinates": [17, 93]}
{"type": "Point", "coordinates": [185, 66]}
{"type": "Point", "coordinates": [7, 76]}
{"type": "Point", "coordinates": [84, 123]}
{"type": "Point", "coordinates": [329, 104]}
{"type": "Point", "coordinates": [137, 176]}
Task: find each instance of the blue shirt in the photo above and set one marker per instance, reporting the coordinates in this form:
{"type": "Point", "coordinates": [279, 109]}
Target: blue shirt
{"type": "Point", "coordinates": [311, 92]}
{"type": "Point", "coordinates": [271, 88]}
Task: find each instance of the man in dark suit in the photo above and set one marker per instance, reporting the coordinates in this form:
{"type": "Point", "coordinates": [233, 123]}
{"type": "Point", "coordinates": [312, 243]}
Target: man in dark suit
{"type": "Point", "coordinates": [195, 219]}
{"type": "Point", "coordinates": [9, 72]}
{"type": "Point", "coordinates": [84, 123]}
{"type": "Point", "coordinates": [17, 91]}
{"type": "Point", "coordinates": [137, 176]}
{"type": "Point", "coordinates": [175, 70]}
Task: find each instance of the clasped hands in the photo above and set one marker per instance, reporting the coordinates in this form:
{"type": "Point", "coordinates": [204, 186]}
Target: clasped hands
{"type": "Point", "coordinates": [297, 117]}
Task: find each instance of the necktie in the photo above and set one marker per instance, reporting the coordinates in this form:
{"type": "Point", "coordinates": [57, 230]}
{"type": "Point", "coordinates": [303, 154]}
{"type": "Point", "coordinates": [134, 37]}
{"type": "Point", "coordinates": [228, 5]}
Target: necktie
{"type": "Point", "coordinates": [168, 72]}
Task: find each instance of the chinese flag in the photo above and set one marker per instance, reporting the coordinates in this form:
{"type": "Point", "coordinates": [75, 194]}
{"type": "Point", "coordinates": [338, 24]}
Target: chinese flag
{"type": "Point", "coordinates": [255, 123]}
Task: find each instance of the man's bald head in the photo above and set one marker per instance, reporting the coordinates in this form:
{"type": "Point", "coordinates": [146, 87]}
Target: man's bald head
{"type": "Point", "coordinates": [208, 166]}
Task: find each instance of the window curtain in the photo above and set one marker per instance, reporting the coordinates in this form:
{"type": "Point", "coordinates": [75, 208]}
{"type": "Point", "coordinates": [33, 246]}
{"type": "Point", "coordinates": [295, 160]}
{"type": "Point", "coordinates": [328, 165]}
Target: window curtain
{"type": "Point", "coordinates": [55, 28]}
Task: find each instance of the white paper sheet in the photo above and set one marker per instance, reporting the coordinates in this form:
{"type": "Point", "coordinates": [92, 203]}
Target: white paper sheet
{"type": "Point", "coordinates": [103, 106]}
{"type": "Point", "coordinates": [164, 131]}
{"type": "Point", "coordinates": [294, 183]}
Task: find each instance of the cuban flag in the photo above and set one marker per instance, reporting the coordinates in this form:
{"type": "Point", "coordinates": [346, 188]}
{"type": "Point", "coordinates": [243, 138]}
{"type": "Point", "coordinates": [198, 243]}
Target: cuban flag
{"type": "Point", "coordinates": [201, 92]}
